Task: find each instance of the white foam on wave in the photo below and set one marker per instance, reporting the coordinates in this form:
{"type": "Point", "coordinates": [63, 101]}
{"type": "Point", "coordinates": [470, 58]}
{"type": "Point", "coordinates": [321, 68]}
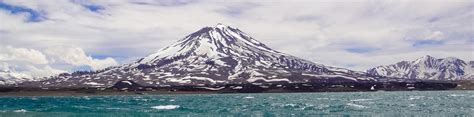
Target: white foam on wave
{"type": "Point", "coordinates": [114, 108]}
{"type": "Point", "coordinates": [455, 95]}
{"type": "Point", "coordinates": [86, 97]}
{"type": "Point", "coordinates": [290, 105]}
{"type": "Point", "coordinates": [356, 105]}
{"type": "Point", "coordinates": [165, 107]}
{"type": "Point", "coordinates": [415, 97]}
{"type": "Point", "coordinates": [322, 98]}
{"type": "Point", "coordinates": [360, 100]}
{"type": "Point", "coordinates": [249, 97]}
{"type": "Point", "coordinates": [20, 111]}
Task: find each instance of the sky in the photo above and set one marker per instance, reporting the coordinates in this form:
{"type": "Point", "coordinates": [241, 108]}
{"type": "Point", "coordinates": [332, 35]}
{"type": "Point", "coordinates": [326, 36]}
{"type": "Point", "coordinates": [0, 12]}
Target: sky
{"type": "Point", "coordinates": [43, 37]}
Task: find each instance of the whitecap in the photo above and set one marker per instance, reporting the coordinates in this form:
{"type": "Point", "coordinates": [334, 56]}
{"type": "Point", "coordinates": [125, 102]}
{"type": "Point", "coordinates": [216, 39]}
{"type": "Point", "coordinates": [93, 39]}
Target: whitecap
{"type": "Point", "coordinates": [415, 97]}
{"type": "Point", "coordinates": [165, 107]}
{"type": "Point", "coordinates": [172, 100]}
{"type": "Point", "coordinates": [322, 98]}
{"type": "Point", "coordinates": [20, 111]}
{"type": "Point", "coordinates": [290, 105]}
{"type": "Point", "coordinates": [355, 105]}
{"type": "Point", "coordinates": [359, 100]}
{"type": "Point", "coordinates": [86, 97]}
{"type": "Point", "coordinates": [307, 106]}
{"type": "Point", "coordinates": [249, 97]}
{"type": "Point", "coordinates": [455, 95]}
{"type": "Point", "coordinates": [80, 106]}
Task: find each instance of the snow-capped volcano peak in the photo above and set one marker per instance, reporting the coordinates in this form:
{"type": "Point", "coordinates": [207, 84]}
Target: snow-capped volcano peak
{"type": "Point", "coordinates": [217, 41]}
{"type": "Point", "coordinates": [221, 26]}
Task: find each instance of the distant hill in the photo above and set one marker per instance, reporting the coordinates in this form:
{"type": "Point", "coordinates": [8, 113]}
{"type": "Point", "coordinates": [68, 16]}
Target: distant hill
{"type": "Point", "coordinates": [428, 68]}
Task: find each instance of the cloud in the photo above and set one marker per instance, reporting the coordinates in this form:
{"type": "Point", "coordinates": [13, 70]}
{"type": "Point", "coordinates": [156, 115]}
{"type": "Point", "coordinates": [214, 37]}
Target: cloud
{"type": "Point", "coordinates": [236, 10]}
{"type": "Point", "coordinates": [24, 63]}
{"type": "Point", "coordinates": [427, 38]}
{"type": "Point", "coordinates": [32, 56]}
{"type": "Point", "coordinates": [368, 33]}
{"type": "Point", "coordinates": [77, 57]}
{"type": "Point", "coordinates": [37, 72]}
{"type": "Point", "coordinates": [436, 35]}
{"type": "Point", "coordinates": [20, 72]}
{"type": "Point", "coordinates": [35, 64]}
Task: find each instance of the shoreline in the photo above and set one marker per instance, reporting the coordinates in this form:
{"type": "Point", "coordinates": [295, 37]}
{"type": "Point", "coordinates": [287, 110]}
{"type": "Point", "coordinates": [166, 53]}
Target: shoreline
{"type": "Point", "coordinates": [136, 89]}
{"type": "Point", "coordinates": [151, 93]}
{"type": "Point", "coordinates": [107, 93]}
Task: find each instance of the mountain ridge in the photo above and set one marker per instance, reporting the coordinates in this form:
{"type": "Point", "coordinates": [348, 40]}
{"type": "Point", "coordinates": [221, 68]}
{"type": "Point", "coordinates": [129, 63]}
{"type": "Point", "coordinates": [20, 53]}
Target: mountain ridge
{"type": "Point", "coordinates": [427, 68]}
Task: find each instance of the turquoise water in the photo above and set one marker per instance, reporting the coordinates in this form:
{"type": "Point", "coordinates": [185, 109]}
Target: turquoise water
{"type": "Point", "coordinates": [401, 103]}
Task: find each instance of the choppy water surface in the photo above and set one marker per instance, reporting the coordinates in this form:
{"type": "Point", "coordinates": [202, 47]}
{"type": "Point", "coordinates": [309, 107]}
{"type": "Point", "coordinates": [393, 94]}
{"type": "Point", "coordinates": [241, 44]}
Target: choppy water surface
{"type": "Point", "coordinates": [403, 103]}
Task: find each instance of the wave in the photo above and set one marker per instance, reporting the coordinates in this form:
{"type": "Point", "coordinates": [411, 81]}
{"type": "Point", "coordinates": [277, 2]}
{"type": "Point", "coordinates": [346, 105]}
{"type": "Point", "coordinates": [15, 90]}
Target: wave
{"type": "Point", "coordinates": [356, 105]}
{"type": "Point", "coordinates": [360, 100]}
{"type": "Point", "coordinates": [20, 111]}
{"type": "Point", "coordinates": [455, 95]}
{"type": "Point", "coordinates": [322, 98]}
{"type": "Point", "coordinates": [415, 97]}
{"type": "Point", "coordinates": [165, 107]}
{"type": "Point", "coordinates": [249, 97]}
{"type": "Point", "coordinates": [114, 108]}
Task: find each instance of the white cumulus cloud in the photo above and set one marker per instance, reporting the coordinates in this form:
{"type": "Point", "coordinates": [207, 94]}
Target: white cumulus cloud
{"type": "Point", "coordinates": [32, 56]}
{"type": "Point", "coordinates": [77, 56]}
{"type": "Point", "coordinates": [17, 64]}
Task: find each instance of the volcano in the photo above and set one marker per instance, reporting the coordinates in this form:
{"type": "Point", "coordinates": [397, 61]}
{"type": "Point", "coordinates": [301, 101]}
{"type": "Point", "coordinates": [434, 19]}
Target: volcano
{"type": "Point", "coordinates": [211, 56]}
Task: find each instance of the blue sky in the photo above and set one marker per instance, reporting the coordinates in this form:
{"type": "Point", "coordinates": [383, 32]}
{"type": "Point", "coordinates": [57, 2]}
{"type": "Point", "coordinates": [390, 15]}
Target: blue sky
{"type": "Point", "coordinates": [66, 35]}
{"type": "Point", "coordinates": [94, 8]}
{"type": "Point", "coordinates": [33, 15]}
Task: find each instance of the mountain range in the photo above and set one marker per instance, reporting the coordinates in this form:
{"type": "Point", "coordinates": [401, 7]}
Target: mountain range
{"type": "Point", "coordinates": [221, 54]}
{"type": "Point", "coordinates": [428, 68]}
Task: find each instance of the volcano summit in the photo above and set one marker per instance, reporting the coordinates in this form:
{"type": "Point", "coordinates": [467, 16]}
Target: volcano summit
{"type": "Point", "coordinates": [211, 56]}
